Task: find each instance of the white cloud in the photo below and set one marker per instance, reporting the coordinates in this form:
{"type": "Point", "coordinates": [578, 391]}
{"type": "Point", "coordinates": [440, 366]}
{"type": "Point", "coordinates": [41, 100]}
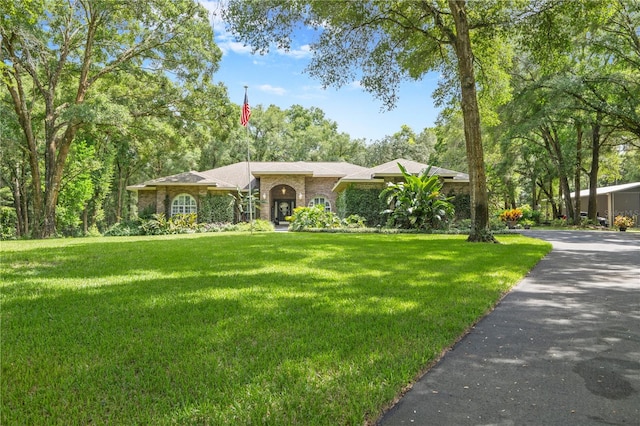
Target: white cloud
{"type": "Point", "coordinates": [233, 46]}
{"type": "Point", "coordinates": [267, 88]}
{"type": "Point", "coordinates": [224, 39]}
{"type": "Point", "coordinates": [300, 53]}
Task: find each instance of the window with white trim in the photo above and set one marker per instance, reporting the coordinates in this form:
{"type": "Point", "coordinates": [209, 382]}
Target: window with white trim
{"type": "Point", "coordinates": [184, 204]}
{"type": "Point", "coordinates": [320, 201]}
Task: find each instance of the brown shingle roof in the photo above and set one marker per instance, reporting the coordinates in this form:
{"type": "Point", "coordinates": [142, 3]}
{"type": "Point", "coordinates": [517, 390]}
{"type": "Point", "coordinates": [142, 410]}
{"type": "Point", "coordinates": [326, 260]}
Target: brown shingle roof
{"type": "Point", "coordinates": [389, 169]}
{"type": "Point", "coordinates": [236, 175]}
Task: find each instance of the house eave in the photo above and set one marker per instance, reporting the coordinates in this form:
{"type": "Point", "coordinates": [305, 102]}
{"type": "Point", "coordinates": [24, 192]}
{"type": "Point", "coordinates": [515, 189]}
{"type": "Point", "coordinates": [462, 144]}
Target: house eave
{"type": "Point", "coordinates": [154, 186]}
{"type": "Point", "coordinates": [344, 182]}
{"type": "Point", "coordinates": [280, 173]}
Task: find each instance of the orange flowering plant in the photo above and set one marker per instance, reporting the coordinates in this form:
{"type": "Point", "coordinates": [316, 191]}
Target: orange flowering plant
{"type": "Point", "coordinates": [622, 221]}
{"type": "Point", "coordinates": [511, 215]}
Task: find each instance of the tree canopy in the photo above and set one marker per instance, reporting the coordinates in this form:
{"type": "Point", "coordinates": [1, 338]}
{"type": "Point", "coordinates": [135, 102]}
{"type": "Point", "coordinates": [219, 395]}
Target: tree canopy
{"type": "Point", "coordinates": [539, 98]}
{"type": "Point", "coordinates": [55, 54]}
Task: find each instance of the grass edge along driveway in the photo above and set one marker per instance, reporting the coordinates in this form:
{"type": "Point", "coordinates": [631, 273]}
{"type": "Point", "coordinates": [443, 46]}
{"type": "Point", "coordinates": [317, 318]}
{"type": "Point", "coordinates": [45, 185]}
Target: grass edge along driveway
{"type": "Point", "coordinates": [276, 328]}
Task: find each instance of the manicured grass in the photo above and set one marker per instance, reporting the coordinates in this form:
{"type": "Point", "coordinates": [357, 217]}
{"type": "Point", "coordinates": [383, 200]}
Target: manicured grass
{"type": "Point", "coordinates": [277, 328]}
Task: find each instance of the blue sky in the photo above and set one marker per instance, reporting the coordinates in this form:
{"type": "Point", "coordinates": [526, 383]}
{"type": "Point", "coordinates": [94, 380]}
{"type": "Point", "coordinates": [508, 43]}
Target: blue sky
{"type": "Point", "coordinates": [278, 78]}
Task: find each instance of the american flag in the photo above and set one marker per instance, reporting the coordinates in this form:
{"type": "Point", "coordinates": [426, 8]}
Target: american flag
{"type": "Point", "coordinates": [246, 111]}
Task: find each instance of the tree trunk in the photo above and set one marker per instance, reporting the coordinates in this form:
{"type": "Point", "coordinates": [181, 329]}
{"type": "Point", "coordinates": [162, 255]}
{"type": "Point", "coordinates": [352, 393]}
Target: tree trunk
{"type": "Point", "coordinates": [85, 220]}
{"type": "Point", "coordinates": [552, 145]}
{"type": "Point", "coordinates": [592, 209]}
{"type": "Point", "coordinates": [25, 202]}
{"type": "Point", "coordinates": [19, 99]}
{"type": "Point", "coordinates": [119, 193]}
{"type": "Point", "coordinates": [471, 115]}
{"type": "Point", "coordinates": [534, 195]}
{"type": "Point", "coordinates": [576, 180]}
{"type": "Point", "coordinates": [550, 197]}
{"type": "Point", "coordinates": [17, 203]}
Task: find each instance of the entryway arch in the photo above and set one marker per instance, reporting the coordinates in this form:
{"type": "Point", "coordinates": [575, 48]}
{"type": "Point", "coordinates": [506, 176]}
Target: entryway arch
{"type": "Point", "coordinates": [283, 201]}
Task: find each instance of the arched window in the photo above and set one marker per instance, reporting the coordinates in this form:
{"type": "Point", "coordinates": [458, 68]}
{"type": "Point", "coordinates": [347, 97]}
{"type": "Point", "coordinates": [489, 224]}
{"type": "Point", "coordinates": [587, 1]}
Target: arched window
{"type": "Point", "coordinates": [183, 204]}
{"type": "Point", "coordinates": [320, 201]}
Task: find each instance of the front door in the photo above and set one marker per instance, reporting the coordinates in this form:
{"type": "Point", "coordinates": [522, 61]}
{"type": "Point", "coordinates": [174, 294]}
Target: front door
{"type": "Point", "coordinates": [282, 209]}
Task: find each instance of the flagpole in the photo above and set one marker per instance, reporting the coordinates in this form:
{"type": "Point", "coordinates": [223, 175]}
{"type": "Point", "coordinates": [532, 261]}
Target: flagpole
{"type": "Point", "coordinates": [245, 109]}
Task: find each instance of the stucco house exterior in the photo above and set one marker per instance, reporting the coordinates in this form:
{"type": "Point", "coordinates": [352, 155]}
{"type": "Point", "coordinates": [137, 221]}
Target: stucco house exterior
{"type": "Point", "coordinates": [282, 186]}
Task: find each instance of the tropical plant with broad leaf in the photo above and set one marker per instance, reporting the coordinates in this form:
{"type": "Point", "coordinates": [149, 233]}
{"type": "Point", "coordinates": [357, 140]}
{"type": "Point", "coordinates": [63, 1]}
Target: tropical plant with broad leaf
{"type": "Point", "coordinates": [417, 202]}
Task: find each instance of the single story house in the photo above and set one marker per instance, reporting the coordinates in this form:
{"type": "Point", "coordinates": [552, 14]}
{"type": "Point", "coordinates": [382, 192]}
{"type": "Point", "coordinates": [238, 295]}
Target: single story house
{"type": "Point", "coordinates": [282, 186]}
{"type": "Point", "coordinates": [612, 201]}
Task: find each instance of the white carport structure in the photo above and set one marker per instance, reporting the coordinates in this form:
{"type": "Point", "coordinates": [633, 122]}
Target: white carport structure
{"type": "Point", "coordinates": [615, 200]}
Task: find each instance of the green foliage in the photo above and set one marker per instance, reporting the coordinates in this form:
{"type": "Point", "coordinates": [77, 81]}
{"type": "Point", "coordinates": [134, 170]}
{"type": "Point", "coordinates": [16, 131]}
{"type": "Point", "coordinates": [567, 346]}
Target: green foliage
{"type": "Point", "coordinates": [362, 202]}
{"type": "Point", "coordinates": [461, 205]}
{"type": "Point", "coordinates": [258, 225]}
{"type": "Point", "coordinates": [78, 187]}
{"type": "Point", "coordinates": [530, 215]}
{"type": "Point", "coordinates": [124, 229]}
{"type": "Point", "coordinates": [403, 144]}
{"type": "Point", "coordinates": [158, 224]}
{"type": "Point", "coordinates": [147, 212]}
{"type": "Point", "coordinates": [417, 203]}
{"type": "Point", "coordinates": [464, 225]}
{"type": "Point", "coordinates": [216, 208]}
{"type": "Point", "coordinates": [56, 57]}
{"type": "Point", "coordinates": [176, 224]}
{"type": "Point", "coordinates": [316, 217]}
{"type": "Point", "coordinates": [8, 221]}
{"type": "Point", "coordinates": [354, 221]}
{"type": "Point", "coordinates": [242, 202]}
{"type": "Point", "coordinates": [312, 217]}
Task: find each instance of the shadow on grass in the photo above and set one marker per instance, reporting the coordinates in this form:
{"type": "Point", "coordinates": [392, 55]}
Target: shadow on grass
{"type": "Point", "coordinates": [275, 328]}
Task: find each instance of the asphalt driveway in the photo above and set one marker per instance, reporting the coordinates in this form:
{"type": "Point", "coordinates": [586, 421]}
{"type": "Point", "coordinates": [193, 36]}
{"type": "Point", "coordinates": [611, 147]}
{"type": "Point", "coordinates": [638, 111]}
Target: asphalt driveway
{"type": "Point", "coordinates": [563, 348]}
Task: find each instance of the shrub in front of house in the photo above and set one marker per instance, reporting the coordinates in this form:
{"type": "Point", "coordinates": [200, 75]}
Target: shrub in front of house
{"type": "Point", "coordinates": [216, 209]}
{"type": "Point", "coordinates": [160, 225]}
{"type": "Point", "coordinates": [362, 202]}
{"type": "Point", "coordinates": [258, 225]}
{"type": "Point", "coordinates": [417, 203]}
{"type": "Point", "coordinates": [315, 217]}
{"type": "Point", "coordinates": [124, 229]}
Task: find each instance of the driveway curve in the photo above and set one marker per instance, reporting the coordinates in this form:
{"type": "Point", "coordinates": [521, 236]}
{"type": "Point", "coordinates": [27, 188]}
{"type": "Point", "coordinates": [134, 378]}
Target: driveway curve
{"type": "Point", "coordinates": [562, 348]}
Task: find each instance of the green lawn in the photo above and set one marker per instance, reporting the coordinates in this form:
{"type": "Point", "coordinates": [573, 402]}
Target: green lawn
{"type": "Point", "coordinates": [277, 328]}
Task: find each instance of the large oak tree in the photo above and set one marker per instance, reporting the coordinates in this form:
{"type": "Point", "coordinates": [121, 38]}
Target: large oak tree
{"type": "Point", "coordinates": [55, 52]}
{"type": "Point", "coordinates": [382, 43]}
